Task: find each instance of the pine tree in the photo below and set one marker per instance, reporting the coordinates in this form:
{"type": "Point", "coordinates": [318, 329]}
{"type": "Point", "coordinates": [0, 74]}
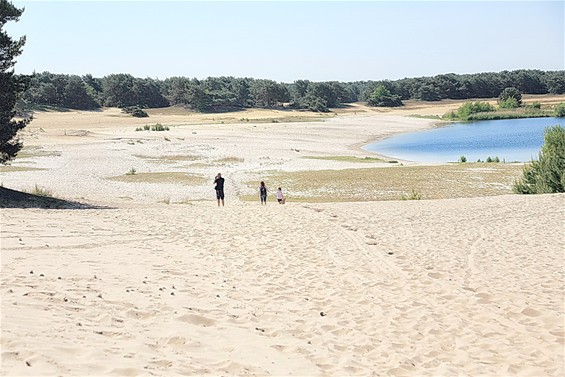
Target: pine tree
{"type": "Point", "coordinates": [11, 85]}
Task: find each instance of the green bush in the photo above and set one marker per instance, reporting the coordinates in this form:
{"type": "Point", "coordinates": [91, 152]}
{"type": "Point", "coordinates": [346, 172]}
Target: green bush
{"type": "Point", "coordinates": [450, 115]}
{"type": "Point", "coordinates": [509, 103]}
{"type": "Point", "coordinates": [159, 127]}
{"type": "Point", "coordinates": [534, 105]}
{"type": "Point", "coordinates": [547, 174]}
{"type": "Point", "coordinates": [510, 94]}
{"type": "Point", "coordinates": [381, 96]}
{"type": "Point", "coordinates": [560, 110]}
{"type": "Point", "coordinates": [469, 108]}
{"type": "Point", "coordinates": [462, 159]}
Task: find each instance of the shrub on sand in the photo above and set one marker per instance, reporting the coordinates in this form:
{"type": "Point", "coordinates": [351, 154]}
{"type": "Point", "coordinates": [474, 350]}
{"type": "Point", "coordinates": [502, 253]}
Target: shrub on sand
{"type": "Point", "coordinates": [547, 174]}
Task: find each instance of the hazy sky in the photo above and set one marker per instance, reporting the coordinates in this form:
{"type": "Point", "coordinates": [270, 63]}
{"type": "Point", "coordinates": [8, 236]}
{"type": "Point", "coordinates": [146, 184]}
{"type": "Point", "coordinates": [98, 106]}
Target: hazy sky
{"type": "Point", "coordinates": [290, 40]}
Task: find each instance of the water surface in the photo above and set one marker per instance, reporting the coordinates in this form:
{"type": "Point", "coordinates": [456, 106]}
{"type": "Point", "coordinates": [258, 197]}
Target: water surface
{"type": "Point", "coordinates": [509, 139]}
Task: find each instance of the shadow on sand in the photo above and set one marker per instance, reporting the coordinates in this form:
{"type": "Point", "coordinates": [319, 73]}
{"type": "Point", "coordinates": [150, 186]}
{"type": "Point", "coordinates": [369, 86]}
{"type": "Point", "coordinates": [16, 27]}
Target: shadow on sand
{"type": "Point", "coordinates": [17, 199]}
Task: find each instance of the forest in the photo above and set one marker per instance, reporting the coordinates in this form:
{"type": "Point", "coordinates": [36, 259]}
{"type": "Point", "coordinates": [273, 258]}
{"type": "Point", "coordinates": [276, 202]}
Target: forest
{"type": "Point", "coordinates": [217, 94]}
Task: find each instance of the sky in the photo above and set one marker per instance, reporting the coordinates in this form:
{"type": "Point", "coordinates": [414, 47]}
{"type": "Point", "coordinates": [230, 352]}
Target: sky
{"type": "Point", "coordinates": [289, 40]}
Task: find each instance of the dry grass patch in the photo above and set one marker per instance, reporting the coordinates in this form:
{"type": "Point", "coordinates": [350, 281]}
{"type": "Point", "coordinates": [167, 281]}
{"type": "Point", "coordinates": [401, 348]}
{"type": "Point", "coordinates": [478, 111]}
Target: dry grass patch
{"type": "Point", "coordinates": [161, 177]}
{"type": "Point", "coordinates": [169, 159]}
{"type": "Point", "coordinates": [289, 118]}
{"type": "Point", "coordinates": [394, 183]}
{"type": "Point", "coordinates": [236, 116]}
{"type": "Point", "coordinates": [11, 168]}
{"type": "Point", "coordinates": [200, 165]}
{"type": "Point", "coordinates": [348, 159]}
{"type": "Point", "coordinates": [229, 160]}
{"type": "Point", "coordinates": [34, 151]}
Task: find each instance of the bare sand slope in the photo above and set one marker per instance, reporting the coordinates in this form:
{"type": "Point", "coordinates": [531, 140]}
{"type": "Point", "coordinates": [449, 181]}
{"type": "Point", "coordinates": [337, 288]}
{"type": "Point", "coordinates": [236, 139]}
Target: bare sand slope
{"type": "Point", "coordinates": [440, 287]}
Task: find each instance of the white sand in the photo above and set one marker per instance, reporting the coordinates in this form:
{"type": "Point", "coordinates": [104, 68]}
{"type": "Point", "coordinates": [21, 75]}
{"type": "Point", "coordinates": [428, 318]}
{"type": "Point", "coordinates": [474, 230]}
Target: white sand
{"type": "Point", "coordinates": [408, 288]}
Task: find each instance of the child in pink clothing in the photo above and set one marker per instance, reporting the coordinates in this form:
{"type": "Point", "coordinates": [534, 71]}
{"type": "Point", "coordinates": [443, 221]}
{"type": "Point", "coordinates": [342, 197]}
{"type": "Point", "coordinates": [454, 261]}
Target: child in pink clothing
{"type": "Point", "coordinates": [280, 196]}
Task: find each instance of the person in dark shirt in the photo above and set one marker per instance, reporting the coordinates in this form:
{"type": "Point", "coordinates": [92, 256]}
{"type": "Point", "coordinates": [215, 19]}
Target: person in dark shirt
{"type": "Point", "coordinates": [263, 193]}
{"type": "Point", "coordinates": [219, 187]}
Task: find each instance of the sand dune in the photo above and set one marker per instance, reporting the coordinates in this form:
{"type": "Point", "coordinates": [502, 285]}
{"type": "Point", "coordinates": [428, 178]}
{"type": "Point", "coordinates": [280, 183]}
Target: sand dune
{"type": "Point", "coordinates": [135, 286]}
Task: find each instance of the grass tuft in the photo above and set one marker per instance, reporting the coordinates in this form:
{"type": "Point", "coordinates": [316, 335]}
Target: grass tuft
{"type": "Point", "coordinates": [229, 160]}
{"type": "Point", "coordinates": [41, 191]}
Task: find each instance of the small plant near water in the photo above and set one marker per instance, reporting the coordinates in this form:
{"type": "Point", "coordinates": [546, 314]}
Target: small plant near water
{"type": "Point", "coordinates": [132, 171]}
{"type": "Point", "coordinates": [414, 195]}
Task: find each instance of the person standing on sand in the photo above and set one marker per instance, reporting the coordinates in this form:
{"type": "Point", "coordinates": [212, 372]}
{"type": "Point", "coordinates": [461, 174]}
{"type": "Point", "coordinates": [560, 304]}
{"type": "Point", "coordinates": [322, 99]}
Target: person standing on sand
{"type": "Point", "coordinates": [280, 196]}
{"type": "Point", "coordinates": [219, 187]}
{"type": "Point", "coordinates": [263, 193]}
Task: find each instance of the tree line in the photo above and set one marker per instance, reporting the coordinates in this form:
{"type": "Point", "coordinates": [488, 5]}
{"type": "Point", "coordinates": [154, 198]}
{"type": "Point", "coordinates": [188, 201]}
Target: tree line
{"type": "Point", "coordinates": [229, 93]}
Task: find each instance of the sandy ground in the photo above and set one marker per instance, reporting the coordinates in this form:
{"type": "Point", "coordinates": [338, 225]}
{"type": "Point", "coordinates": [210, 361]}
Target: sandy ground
{"type": "Point", "coordinates": [136, 286]}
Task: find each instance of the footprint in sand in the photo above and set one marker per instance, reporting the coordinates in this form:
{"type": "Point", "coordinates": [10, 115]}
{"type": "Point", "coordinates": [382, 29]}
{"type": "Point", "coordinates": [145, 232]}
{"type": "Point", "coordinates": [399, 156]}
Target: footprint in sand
{"type": "Point", "coordinates": [436, 275]}
{"type": "Point", "coordinates": [176, 340]}
{"type": "Point", "coordinates": [138, 314]}
{"type": "Point", "coordinates": [531, 312]}
{"type": "Point", "coordinates": [196, 319]}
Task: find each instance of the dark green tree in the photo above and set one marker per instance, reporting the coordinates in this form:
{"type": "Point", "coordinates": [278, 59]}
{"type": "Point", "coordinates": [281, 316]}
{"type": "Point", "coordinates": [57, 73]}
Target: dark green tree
{"type": "Point", "coordinates": [510, 97]}
{"type": "Point", "coordinates": [300, 88]}
{"type": "Point", "coordinates": [117, 90]}
{"type": "Point", "coordinates": [197, 98]}
{"type": "Point", "coordinates": [383, 97]}
{"type": "Point", "coordinates": [61, 90]}
{"type": "Point", "coordinates": [11, 85]}
{"type": "Point", "coordinates": [427, 92]}
{"type": "Point", "coordinates": [147, 93]}
{"type": "Point", "coordinates": [268, 93]}
{"type": "Point", "coordinates": [175, 88]}
{"type": "Point", "coordinates": [76, 95]}
{"type": "Point", "coordinates": [555, 82]}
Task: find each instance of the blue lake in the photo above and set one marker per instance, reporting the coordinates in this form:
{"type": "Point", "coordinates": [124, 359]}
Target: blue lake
{"type": "Point", "coordinates": [510, 140]}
